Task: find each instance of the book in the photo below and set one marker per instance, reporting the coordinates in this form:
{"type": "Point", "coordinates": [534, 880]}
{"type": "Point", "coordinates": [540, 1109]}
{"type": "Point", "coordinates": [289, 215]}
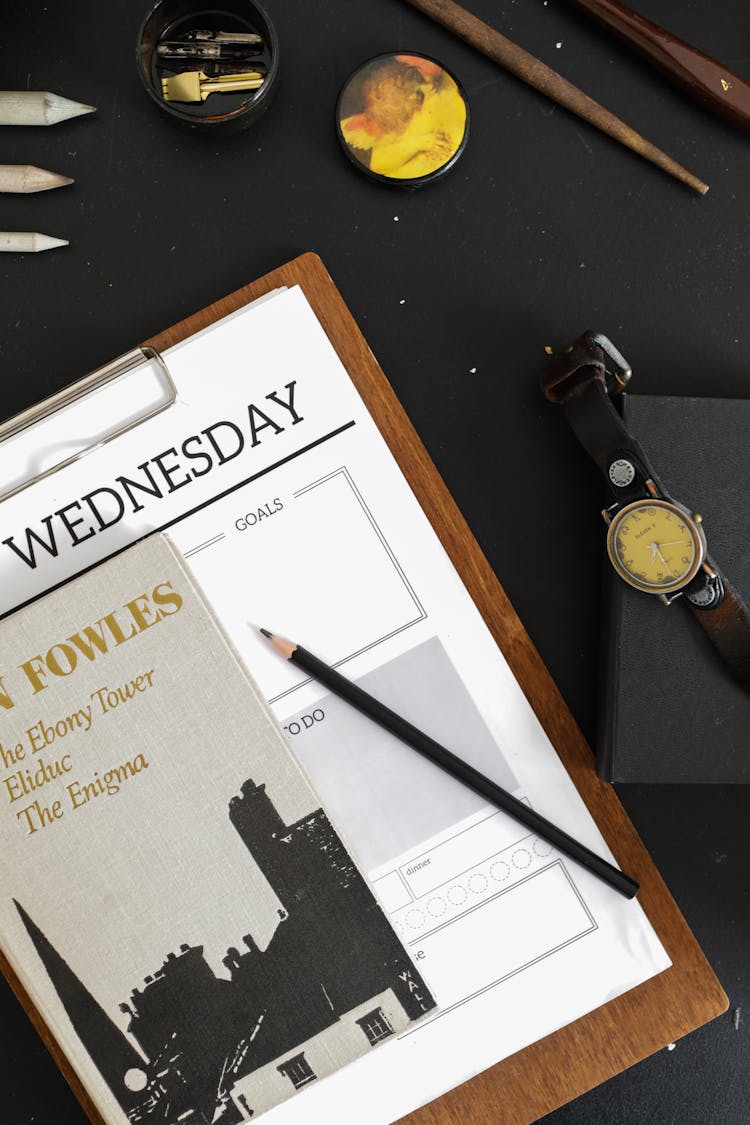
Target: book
{"type": "Point", "coordinates": [659, 666]}
{"type": "Point", "coordinates": [173, 898]}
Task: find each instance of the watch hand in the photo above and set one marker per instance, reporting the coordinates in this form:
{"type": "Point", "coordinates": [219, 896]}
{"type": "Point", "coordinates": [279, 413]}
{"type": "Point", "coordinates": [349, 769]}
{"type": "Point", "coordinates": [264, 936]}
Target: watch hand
{"type": "Point", "coordinates": [654, 548]}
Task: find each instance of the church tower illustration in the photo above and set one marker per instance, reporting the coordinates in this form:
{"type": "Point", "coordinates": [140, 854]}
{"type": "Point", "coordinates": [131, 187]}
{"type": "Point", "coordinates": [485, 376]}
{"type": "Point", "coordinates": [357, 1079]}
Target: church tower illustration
{"type": "Point", "coordinates": [195, 1036]}
{"type": "Point", "coordinates": [109, 1049]}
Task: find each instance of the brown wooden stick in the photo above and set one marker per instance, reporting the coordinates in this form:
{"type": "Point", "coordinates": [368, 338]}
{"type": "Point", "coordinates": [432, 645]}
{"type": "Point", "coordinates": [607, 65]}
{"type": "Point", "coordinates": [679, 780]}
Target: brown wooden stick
{"type": "Point", "coordinates": [542, 77]}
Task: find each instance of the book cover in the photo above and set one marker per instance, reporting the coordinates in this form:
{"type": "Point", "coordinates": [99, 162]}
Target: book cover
{"type": "Point", "coordinates": [173, 898]}
{"type": "Point", "coordinates": [670, 711]}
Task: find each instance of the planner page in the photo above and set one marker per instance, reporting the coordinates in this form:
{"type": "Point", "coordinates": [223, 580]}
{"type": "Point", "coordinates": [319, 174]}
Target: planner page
{"type": "Point", "coordinates": [277, 488]}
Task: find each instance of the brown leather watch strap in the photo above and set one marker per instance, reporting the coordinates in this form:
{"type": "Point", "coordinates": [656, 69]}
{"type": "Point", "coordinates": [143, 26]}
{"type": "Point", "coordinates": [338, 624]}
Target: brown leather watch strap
{"type": "Point", "coordinates": [728, 628]}
{"type": "Point", "coordinates": [563, 375]}
{"type": "Point", "coordinates": [580, 381]}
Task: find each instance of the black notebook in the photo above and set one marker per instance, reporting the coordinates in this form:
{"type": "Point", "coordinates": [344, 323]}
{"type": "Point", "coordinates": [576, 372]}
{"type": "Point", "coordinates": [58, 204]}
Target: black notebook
{"type": "Point", "coordinates": [669, 710]}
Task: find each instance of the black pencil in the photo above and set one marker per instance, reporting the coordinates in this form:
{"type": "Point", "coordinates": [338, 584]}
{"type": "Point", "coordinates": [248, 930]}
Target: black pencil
{"type": "Point", "coordinates": [453, 765]}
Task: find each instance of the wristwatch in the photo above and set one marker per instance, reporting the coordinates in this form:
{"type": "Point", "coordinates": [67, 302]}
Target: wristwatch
{"type": "Point", "coordinates": [655, 543]}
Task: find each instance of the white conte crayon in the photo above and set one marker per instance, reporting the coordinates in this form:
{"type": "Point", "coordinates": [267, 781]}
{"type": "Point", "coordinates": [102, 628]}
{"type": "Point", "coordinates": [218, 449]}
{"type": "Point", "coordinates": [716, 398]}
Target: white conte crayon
{"type": "Point", "coordinates": [27, 242]}
{"type": "Point", "coordinates": [26, 178]}
{"type": "Point", "coordinates": [38, 107]}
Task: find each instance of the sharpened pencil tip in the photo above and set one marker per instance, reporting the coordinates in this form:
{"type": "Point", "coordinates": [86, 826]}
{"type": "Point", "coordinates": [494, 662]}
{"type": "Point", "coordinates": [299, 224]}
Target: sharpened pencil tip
{"type": "Point", "coordinates": [286, 648]}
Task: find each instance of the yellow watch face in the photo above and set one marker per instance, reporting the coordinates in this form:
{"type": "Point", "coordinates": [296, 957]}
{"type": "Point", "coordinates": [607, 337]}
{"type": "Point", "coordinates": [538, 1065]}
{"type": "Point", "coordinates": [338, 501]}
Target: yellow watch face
{"type": "Point", "coordinates": [654, 546]}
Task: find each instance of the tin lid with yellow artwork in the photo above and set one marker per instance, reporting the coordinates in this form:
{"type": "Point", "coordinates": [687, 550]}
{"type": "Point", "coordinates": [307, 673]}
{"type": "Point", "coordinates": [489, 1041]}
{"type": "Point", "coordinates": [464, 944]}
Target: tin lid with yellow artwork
{"type": "Point", "coordinates": [403, 119]}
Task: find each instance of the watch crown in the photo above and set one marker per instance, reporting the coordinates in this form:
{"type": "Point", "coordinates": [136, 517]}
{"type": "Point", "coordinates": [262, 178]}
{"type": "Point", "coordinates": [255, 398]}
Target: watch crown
{"type": "Point", "coordinates": [698, 518]}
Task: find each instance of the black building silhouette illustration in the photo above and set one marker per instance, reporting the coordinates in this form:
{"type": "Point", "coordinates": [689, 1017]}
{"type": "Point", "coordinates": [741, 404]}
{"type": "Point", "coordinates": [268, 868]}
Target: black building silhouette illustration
{"type": "Point", "coordinates": [331, 952]}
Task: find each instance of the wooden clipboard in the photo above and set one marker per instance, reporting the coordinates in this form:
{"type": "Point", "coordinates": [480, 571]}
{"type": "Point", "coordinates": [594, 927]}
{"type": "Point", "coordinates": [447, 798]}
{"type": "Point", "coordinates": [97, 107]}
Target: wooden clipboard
{"type": "Point", "coordinates": [576, 1058]}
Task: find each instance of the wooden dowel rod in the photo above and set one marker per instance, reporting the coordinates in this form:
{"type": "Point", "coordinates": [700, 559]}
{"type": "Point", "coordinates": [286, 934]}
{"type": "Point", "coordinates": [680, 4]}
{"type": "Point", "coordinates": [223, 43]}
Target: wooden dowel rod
{"type": "Point", "coordinates": [543, 78]}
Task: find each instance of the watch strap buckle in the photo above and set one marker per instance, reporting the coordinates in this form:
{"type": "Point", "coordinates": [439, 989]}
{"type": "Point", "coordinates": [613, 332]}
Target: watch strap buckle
{"type": "Point", "coordinates": [591, 350]}
{"type": "Point", "coordinates": [617, 370]}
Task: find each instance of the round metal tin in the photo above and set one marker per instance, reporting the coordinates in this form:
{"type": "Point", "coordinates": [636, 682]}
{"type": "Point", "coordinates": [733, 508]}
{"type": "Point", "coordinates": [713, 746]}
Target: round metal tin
{"type": "Point", "coordinates": [402, 118]}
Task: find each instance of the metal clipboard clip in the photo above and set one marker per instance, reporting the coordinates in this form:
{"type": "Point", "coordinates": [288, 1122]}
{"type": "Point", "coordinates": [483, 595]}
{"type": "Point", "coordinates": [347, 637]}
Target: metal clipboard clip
{"type": "Point", "coordinates": [97, 380]}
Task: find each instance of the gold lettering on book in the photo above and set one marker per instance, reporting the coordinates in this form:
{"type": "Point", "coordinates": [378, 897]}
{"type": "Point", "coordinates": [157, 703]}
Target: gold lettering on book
{"type": "Point", "coordinates": [41, 735]}
{"type": "Point", "coordinates": [45, 733]}
{"type": "Point", "coordinates": [93, 641]}
{"type": "Point", "coordinates": [5, 699]}
{"type": "Point", "coordinates": [111, 698]}
{"type": "Point", "coordinates": [105, 784]}
{"type": "Point", "coordinates": [12, 757]}
{"type": "Point", "coordinates": [37, 815]}
{"type": "Point", "coordinates": [29, 766]}
{"type": "Point", "coordinates": [24, 781]}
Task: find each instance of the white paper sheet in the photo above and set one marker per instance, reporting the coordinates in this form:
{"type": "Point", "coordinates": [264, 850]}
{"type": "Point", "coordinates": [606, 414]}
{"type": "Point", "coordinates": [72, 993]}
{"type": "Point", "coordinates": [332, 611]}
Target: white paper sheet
{"type": "Point", "coordinates": [293, 515]}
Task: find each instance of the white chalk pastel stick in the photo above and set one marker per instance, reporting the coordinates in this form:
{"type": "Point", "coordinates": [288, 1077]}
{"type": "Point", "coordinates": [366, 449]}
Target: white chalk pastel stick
{"type": "Point", "coordinates": [37, 107]}
{"type": "Point", "coordinates": [27, 242]}
{"type": "Point", "coordinates": [26, 178]}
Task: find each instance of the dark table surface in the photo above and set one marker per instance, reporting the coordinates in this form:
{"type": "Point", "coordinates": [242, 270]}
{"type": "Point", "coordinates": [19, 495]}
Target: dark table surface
{"type": "Point", "coordinates": [544, 228]}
